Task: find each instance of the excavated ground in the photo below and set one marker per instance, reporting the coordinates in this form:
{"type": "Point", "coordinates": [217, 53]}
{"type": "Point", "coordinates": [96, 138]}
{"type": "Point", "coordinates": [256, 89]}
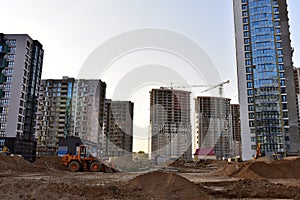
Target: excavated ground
{"type": "Point", "coordinates": [46, 179]}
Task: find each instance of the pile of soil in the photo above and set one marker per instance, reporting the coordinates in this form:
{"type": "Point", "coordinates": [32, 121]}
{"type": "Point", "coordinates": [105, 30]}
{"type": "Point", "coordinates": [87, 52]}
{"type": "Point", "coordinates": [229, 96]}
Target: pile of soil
{"type": "Point", "coordinates": [165, 185]}
{"type": "Point", "coordinates": [52, 163]}
{"type": "Point", "coordinates": [253, 188]}
{"type": "Point", "coordinates": [15, 164]}
{"type": "Point", "coordinates": [280, 169]}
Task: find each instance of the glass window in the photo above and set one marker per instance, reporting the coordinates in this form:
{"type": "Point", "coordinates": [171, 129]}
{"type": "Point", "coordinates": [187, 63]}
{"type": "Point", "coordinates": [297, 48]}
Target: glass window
{"type": "Point", "coordinates": [245, 20]}
{"type": "Point", "coordinates": [249, 77]}
{"type": "Point", "coordinates": [283, 98]}
{"type": "Point", "coordinates": [248, 69]}
{"type": "Point", "coordinates": [250, 92]}
{"type": "Point", "coordinates": [245, 27]}
{"type": "Point", "coordinates": [280, 67]}
{"type": "Point", "coordinates": [247, 55]}
{"type": "Point", "coordinates": [251, 108]}
{"type": "Point", "coordinates": [246, 34]}
{"type": "Point", "coordinates": [280, 60]}
{"type": "Point", "coordinates": [249, 85]}
{"type": "Point", "coordinates": [250, 100]}
{"type": "Point", "coordinates": [281, 74]}
{"type": "Point", "coordinates": [247, 41]}
{"type": "Point", "coordinates": [248, 62]}
{"type": "Point", "coordinates": [247, 48]}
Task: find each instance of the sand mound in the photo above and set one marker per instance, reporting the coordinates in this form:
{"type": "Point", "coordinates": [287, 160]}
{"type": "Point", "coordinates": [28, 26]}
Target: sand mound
{"type": "Point", "coordinates": [50, 162]}
{"type": "Point", "coordinates": [281, 169]}
{"type": "Point", "coordinates": [17, 164]}
{"type": "Point", "coordinates": [165, 185]}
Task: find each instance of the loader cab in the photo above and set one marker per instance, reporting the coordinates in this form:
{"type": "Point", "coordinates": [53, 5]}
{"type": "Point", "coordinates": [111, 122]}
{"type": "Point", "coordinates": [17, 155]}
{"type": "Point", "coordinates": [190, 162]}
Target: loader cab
{"type": "Point", "coordinates": [82, 151]}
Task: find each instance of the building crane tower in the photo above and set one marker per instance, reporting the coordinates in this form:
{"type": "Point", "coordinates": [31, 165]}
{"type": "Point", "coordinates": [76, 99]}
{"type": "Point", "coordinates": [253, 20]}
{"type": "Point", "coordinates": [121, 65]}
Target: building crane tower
{"type": "Point", "coordinates": [220, 85]}
{"type": "Point", "coordinates": [211, 87]}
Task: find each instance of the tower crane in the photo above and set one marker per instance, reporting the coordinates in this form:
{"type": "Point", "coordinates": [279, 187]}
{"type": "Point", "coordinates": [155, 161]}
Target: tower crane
{"type": "Point", "coordinates": [211, 87]}
{"type": "Point", "coordinates": [220, 85]}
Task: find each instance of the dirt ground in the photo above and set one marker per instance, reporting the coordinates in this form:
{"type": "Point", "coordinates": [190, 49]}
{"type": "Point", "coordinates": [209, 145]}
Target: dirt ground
{"type": "Point", "coordinates": [47, 179]}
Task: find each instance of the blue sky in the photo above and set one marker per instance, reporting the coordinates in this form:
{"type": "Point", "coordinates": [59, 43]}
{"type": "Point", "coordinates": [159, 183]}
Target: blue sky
{"type": "Point", "coordinates": [71, 29]}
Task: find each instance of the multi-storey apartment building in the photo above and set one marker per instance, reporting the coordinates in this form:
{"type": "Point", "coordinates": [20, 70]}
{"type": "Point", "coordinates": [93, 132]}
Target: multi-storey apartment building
{"type": "Point", "coordinates": [88, 104]}
{"type": "Point", "coordinates": [170, 123]}
{"type": "Point", "coordinates": [265, 77]}
{"type": "Point", "coordinates": [21, 68]}
{"type": "Point", "coordinates": [54, 114]}
{"type": "Point", "coordinates": [236, 130]}
{"type": "Point", "coordinates": [118, 128]}
{"type": "Point", "coordinates": [213, 125]}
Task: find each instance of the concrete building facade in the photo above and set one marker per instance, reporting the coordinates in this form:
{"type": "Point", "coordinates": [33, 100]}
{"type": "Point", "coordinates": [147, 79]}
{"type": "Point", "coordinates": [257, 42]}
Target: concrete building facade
{"type": "Point", "coordinates": [265, 77]}
{"type": "Point", "coordinates": [88, 104]}
{"type": "Point", "coordinates": [118, 128]}
{"type": "Point", "coordinates": [236, 130]}
{"type": "Point", "coordinates": [170, 123]}
{"type": "Point", "coordinates": [54, 114]}
{"type": "Point", "coordinates": [21, 69]}
{"type": "Point", "coordinates": [213, 125]}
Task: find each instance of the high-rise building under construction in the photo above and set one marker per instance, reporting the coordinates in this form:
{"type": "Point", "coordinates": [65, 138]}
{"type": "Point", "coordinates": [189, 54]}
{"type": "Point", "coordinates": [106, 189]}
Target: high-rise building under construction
{"type": "Point", "coordinates": [265, 77]}
{"type": "Point", "coordinates": [170, 123]}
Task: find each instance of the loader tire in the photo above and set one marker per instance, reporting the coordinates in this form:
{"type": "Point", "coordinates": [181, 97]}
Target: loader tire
{"type": "Point", "coordinates": [74, 166]}
{"type": "Point", "coordinates": [95, 167]}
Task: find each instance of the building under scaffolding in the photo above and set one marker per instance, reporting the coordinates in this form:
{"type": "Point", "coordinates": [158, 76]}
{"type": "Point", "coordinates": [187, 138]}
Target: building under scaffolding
{"type": "Point", "coordinates": [213, 125]}
{"type": "Point", "coordinates": [170, 123]}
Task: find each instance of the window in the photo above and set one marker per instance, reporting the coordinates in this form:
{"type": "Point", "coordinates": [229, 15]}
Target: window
{"type": "Point", "coordinates": [245, 27]}
{"type": "Point", "coordinates": [247, 48]}
{"type": "Point", "coordinates": [251, 123]}
{"type": "Point", "coordinates": [250, 92]}
{"type": "Point", "coordinates": [253, 147]}
{"type": "Point", "coordinates": [245, 20]}
{"type": "Point", "coordinates": [244, 1]}
{"type": "Point", "coordinates": [251, 108]}
{"type": "Point", "coordinates": [283, 98]}
{"type": "Point", "coordinates": [249, 85]}
{"type": "Point", "coordinates": [279, 52]}
{"type": "Point", "coordinates": [12, 42]}
{"type": "Point", "coordinates": [278, 37]}
{"type": "Point", "coordinates": [11, 63]}
{"type": "Point", "coordinates": [246, 41]}
{"type": "Point", "coordinates": [253, 139]}
{"type": "Point", "coordinates": [247, 55]}
{"type": "Point", "coordinates": [248, 62]}
{"type": "Point", "coordinates": [248, 69]}
{"type": "Point", "coordinates": [280, 67]}
{"type": "Point", "coordinates": [277, 30]}
{"type": "Point", "coordinates": [250, 100]}
{"type": "Point", "coordinates": [249, 77]}
{"type": "Point", "coordinates": [278, 44]}
{"type": "Point", "coordinates": [244, 7]}
{"type": "Point", "coordinates": [244, 13]}
{"type": "Point", "coordinates": [281, 75]}
{"type": "Point", "coordinates": [246, 34]}
{"type": "Point", "coordinates": [284, 106]}
{"type": "Point", "coordinates": [251, 115]}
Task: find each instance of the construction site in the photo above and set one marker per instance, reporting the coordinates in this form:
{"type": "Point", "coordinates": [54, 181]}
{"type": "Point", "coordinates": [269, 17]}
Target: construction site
{"type": "Point", "coordinates": [46, 178]}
